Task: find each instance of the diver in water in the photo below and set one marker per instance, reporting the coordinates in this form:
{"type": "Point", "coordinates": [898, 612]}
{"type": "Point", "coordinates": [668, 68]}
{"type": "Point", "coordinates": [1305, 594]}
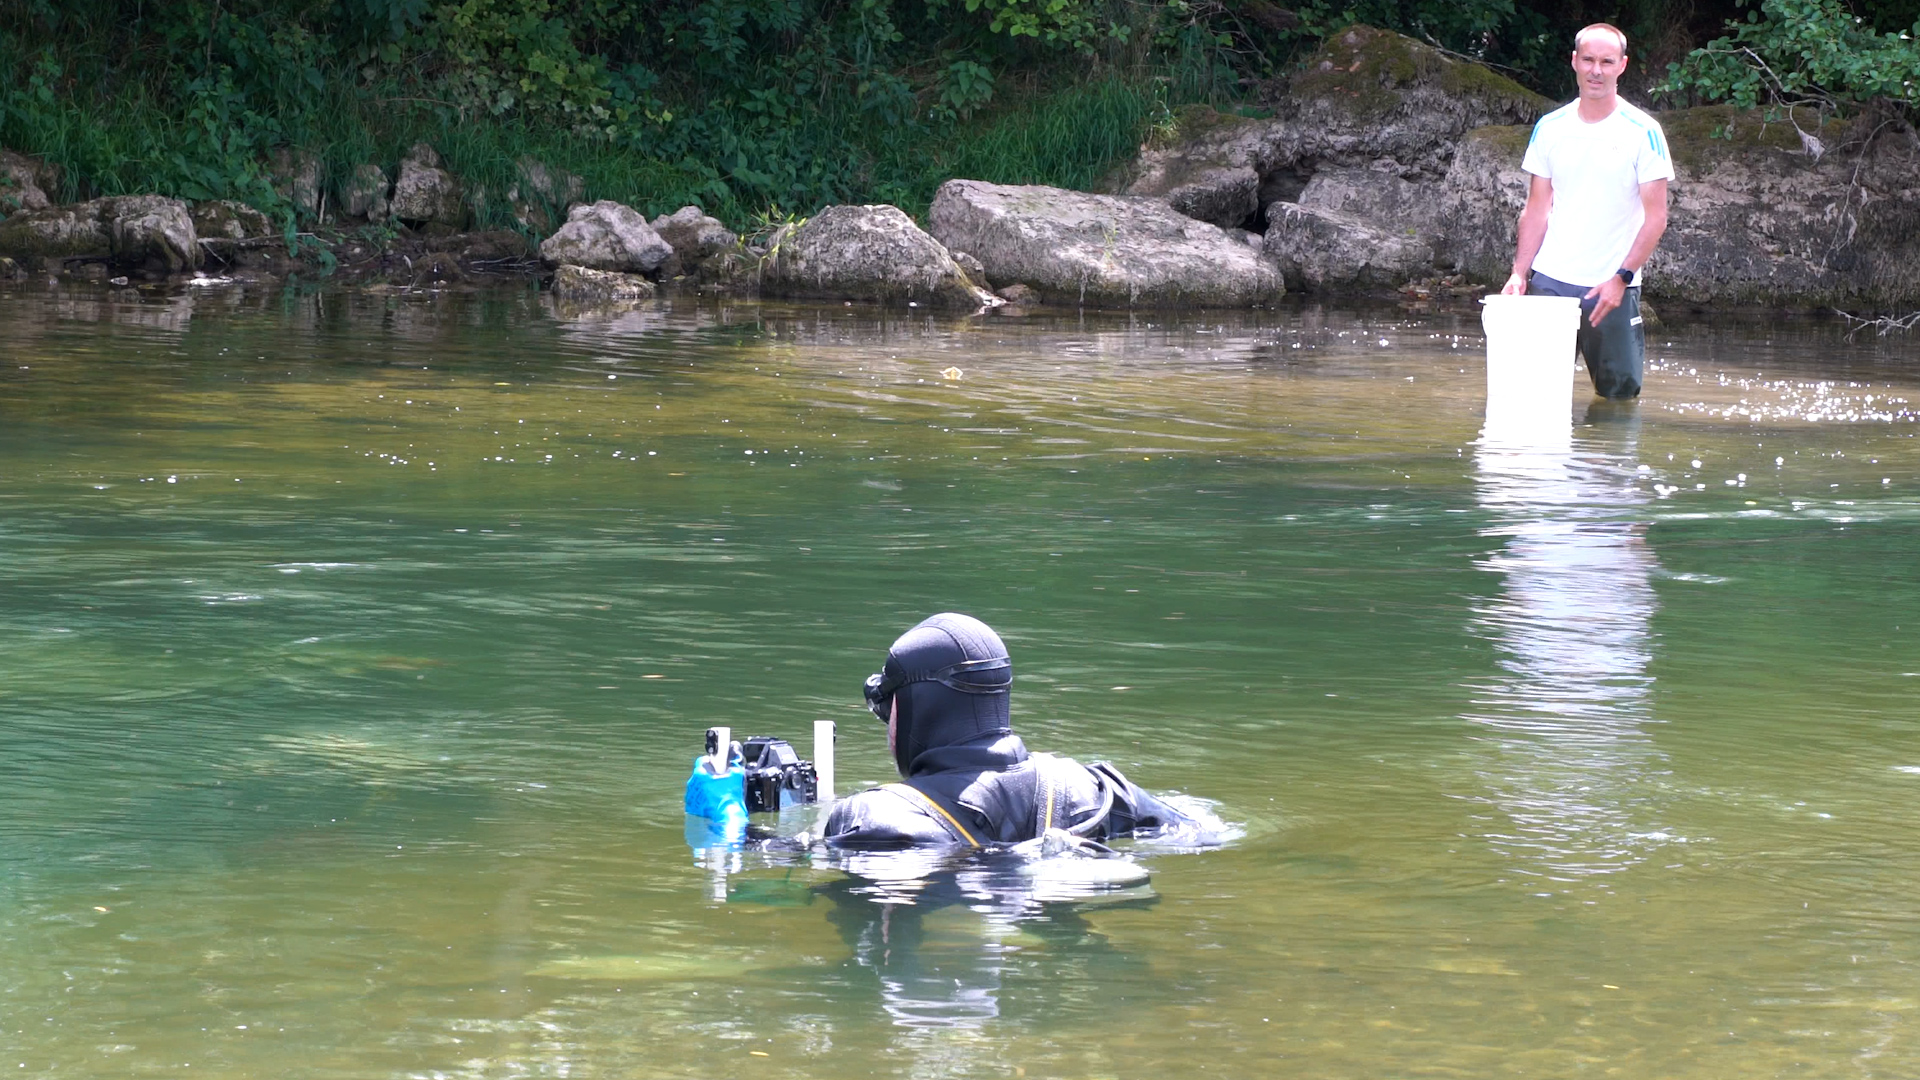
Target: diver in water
{"type": "Point", "coordinates": [968, 779]}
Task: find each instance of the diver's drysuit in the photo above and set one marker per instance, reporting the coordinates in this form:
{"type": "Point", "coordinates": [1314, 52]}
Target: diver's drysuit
{"type": "Point", "coordinates": [969, 778]}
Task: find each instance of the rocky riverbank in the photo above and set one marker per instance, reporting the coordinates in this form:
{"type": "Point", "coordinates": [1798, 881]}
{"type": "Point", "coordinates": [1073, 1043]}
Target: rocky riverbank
{"type": "Point", "coordinates": [1383, 166]}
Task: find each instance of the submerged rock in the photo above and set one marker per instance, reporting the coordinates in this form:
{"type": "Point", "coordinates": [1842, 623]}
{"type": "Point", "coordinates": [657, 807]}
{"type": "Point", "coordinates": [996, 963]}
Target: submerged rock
{"type": "Point", "coordinates": [606, 235]}
{"type": "Point", "coordinates": [143, 232]}
{"type": "Point", "coordinates": [426, 196]}
{"type": "Point", "coordinates": [868, 253]}
{"type": "Point", "coordinates": [1100, 250]}
{"type": "Point", "coordinates": [578, 283]}
{"type": "Point", "coordinates": [230, 220]}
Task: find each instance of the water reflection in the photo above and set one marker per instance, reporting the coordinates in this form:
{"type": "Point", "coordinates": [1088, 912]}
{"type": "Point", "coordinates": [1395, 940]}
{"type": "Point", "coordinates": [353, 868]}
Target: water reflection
{"type": "Point", "coordinates": [933, 933]}
{"type": "Point", "coordinates": [1570, 759]}
{"type": "Point", "coordinates": [948, 943]}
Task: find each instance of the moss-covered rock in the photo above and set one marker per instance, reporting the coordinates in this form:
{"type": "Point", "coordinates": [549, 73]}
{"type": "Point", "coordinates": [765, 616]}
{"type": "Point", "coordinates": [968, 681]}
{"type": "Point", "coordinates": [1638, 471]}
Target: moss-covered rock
{"type": "Point", "coordinates": [226, 219]}
{"type": "Point", "coordinates": [1699, 137]}
{"type": "Point", "coordinates": [874, 253]}
{"type": "Point", "coordinates": [145, 232]}
{"type": "Point", "coordinates": [1372, 74]}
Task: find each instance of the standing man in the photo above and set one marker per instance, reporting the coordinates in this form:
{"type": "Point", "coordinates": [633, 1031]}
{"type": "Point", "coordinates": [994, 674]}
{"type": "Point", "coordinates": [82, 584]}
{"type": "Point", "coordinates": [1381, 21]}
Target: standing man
{"type": "Point", "coordinates": [1596, 207]}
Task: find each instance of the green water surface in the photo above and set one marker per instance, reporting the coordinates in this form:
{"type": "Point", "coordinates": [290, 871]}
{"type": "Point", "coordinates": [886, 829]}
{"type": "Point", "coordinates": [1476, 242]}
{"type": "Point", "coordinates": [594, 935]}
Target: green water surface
{"type": "Point", "coordinates": [353, 649]}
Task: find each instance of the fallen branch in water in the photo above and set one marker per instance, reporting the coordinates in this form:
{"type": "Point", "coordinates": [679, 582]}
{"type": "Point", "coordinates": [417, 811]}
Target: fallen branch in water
{"type": "Point", "coordinates": [1883, 325]}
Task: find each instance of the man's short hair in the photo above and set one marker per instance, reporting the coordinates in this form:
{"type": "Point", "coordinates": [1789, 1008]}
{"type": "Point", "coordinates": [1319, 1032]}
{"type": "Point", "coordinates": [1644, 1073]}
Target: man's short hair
{"type": "Point", "coordinates": [1600, 29]}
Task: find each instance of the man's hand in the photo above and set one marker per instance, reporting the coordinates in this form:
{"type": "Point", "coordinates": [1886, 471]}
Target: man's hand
{"type": "Point", "coordinates": [1516, 285]}
{"type": "Point", "coordinates": [1609, 293]}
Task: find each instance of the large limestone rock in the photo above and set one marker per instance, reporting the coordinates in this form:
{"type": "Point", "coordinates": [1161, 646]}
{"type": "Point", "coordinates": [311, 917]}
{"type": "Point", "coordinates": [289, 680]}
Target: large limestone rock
{"type": "Point", "coordinates": [1375, 195]}
{"type": "Point", "coordinates": [1481, 200]}
{"type": "Point", "coordinates": [229, 220]}
{"type": "Point", "coordinates": [607, 236]}
{"type": "Point", "coordinates": [1100, 250]}
{"type": "Point", "coordinates": [695, 237]}
{"type": "Point", "coordinates": [1752, 219]}
{"type": "Point", "coordinates": [1360, 141]}
{"type": "Point", "coordinates": [426, 196]}
{"type": "Point", "coordinates": [142, 232]}
{"type": "Point", "coordinates": [868, 253]}
{"type": "Point", "coordinates": [365, 195]}
{"type": "Point", "coordinates": [24, 182]}
{"type": "Point", "coordinates": [1367, 229]}
{"type": "Point", "coordinates": [1210, 170]}
{"type": "Point", "coordinates": [1369, 97]}
{"type": "Point", "coordinates": [1319, 250]}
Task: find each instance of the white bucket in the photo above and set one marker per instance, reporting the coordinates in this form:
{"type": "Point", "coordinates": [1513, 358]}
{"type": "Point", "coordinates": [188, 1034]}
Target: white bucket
{"type": "Point", "coordinates": [1530, 350]}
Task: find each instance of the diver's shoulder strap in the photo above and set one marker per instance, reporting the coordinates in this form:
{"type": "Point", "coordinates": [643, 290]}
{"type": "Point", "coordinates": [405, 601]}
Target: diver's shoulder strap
{"type": "Point", "coordinates": [1046, 792]}
{"type": "Point", "coordinates": [1051, 781]}
{"type": "Point", "coordinates": [938, 812]}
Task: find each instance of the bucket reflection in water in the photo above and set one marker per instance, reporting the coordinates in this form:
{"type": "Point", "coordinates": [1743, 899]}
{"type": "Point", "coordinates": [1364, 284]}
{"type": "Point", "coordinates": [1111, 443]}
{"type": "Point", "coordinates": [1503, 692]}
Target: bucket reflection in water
{"type": "Point", "coordinates": [1571, 765]}
{"type": "Point", "coordinates": [1530, 347]}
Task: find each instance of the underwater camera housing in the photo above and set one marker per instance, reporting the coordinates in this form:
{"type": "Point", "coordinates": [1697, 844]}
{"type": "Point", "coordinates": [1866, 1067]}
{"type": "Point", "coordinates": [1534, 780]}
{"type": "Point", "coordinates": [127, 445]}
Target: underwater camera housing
{"type": "Point", "coordinates": [731, 780]}
{"type": "Point", "coordinates": [776, 776]}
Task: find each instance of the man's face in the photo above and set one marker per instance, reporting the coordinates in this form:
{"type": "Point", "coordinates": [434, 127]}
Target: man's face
{"type": "Point", "coordinates": [893, 724]}
{"type": "Point", "coordinates": [1597, 65]}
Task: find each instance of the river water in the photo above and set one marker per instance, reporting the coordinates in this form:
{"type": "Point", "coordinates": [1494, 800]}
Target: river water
{"type": "Point", "coordinates": [354, 647]}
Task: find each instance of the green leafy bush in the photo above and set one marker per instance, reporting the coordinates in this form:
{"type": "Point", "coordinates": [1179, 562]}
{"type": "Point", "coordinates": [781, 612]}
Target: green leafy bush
{"type": "Point", "coordinates": [1803, 52]}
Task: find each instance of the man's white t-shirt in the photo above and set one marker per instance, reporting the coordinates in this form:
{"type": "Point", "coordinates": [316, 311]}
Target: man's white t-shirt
{"type": "Point", "coordinates": [1597, 170]}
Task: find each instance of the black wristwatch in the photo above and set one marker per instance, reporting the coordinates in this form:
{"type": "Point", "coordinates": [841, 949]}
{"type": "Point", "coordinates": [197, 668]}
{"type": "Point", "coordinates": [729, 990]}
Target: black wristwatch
{"type": "Point", "coordinates": [1624, 275]}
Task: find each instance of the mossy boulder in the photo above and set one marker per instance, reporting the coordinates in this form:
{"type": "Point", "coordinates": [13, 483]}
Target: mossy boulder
{"type": "Point", "coordinates": [1363, 133]}
{"type": "Point", "coordinates": [1374, 76]}
{"type": "Point", "coordinates": [873, 253]}
{"type": "Point", "coordinates": [1758, 214]}
{"type": "Point", "coordinates": [1207, 165]}
{"type": "Point", "coordinates": [427, 197]}
{"type": "Point", "coordinates": [1109, 251]}
{"type": "Point", "coordinates": [136, 232]}
{"type": "Point", "coordinates": [229, 220]}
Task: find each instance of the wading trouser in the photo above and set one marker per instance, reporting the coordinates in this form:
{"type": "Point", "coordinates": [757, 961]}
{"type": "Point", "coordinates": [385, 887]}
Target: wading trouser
{"type": "Point", "coordinates": [1616, 350]}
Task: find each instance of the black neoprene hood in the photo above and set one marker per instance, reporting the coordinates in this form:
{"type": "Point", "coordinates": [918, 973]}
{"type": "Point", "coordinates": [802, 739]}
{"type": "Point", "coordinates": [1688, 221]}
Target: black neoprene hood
{"type": "Point", "coordinates": [951, 680]}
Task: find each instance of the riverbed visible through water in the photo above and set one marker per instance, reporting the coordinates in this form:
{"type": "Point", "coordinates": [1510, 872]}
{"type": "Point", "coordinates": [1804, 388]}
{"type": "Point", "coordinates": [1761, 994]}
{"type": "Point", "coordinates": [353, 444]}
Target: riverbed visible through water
{"type": "Point", "coordinates": [354, 649]}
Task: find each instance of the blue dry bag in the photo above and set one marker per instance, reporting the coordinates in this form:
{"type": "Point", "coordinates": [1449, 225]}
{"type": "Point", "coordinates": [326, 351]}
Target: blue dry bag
{"type": "Point", "coordinates": [721, 799]}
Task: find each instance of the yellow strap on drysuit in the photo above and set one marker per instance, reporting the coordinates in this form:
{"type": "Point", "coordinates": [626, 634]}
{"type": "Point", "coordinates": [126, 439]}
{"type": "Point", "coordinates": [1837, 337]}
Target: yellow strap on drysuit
{"type": "Point", "coordinates": [920, 798]}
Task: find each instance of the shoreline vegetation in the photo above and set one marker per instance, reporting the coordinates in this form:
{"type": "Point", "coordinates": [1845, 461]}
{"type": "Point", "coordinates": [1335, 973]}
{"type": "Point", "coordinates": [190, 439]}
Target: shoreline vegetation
{"type": "Point", "coordinates": [290, 127]}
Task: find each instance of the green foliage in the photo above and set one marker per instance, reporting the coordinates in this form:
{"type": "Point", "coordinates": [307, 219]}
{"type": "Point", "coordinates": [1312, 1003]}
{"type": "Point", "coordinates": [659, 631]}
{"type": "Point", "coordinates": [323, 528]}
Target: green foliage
{"type": "Point", "coordinates": [1077, 25]}
{"type": "Point", "coordinates": [1803, 52]}
{"type": "Point", "coordinates": [736, 105]}
{"type": "Point", "coordinates": [963, 87]}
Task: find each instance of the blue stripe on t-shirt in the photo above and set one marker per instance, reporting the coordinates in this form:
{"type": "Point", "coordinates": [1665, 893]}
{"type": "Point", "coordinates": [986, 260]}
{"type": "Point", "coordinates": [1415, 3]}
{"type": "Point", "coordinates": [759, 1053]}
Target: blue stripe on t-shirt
{"type": "Point", "coordinates": [1557, 114]}
{"type": "Point", "coordinates": [1654, 136]}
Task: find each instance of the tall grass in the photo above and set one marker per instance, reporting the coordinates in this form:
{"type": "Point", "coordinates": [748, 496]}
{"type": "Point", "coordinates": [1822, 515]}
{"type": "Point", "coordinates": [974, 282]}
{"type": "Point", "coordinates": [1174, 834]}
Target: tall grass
{"type": "Point", "coordinates": [1056, 129]}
